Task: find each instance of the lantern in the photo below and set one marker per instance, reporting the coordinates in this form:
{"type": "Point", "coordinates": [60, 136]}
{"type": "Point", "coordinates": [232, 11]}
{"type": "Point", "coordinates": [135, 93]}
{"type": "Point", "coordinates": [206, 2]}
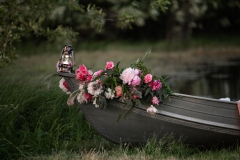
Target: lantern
{"type": "Point", "coordinates": [66, 61]}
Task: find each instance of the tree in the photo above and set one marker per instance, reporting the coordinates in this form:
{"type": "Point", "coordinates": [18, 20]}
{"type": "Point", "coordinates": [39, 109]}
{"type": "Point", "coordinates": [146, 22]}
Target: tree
{"type": "Point", "coordinates": [182, 17]}
{"type": "Point", "coordinates": [27, 17]}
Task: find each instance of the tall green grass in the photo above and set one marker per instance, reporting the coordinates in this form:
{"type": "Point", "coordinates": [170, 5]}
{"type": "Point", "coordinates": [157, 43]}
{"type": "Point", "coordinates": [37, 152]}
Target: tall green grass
{"type": "Point", "coordinates": [37, 120]}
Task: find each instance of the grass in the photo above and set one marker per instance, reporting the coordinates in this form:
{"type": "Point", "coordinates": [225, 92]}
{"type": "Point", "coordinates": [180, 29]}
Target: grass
{"type": "Point", "coordinates": [36, 123]}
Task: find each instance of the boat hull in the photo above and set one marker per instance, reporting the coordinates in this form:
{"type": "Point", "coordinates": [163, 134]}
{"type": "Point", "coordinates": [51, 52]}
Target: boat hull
{"type": "Point", "coordinates": [196, 120]}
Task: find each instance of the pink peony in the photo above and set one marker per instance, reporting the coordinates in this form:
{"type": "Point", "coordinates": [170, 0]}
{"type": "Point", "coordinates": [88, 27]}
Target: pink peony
{"type": "Point", "coordinates": [109, 65]}
{"type": "Point", "coordinates": [97, 73]}
{"type": "Point", "coordinates": [152, 110]}
{"type": "Point", "coordinates": [148, 78]}
{"type": "Point", "coordinates": [81, 73]}
{"type": "Point", "coordinates": [155, 85]}
{"type": "Point", "coordinates": [82, 69]}
{"type": "Point", "coordinates": [136, 81]}
{"type": "Point", "coordinates": [118, 90]}
{"type": "Point", "coordinates": [88, 78]}
{"type": "Point", "coordinates": [155, 100]}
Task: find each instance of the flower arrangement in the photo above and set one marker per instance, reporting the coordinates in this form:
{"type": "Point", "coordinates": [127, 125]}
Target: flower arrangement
{"type": "Point", "coordinates": [130, 85]}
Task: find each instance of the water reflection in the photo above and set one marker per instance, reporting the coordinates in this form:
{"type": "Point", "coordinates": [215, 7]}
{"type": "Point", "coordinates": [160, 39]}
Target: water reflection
{"type": "Point", "coordinates": [214, 82]}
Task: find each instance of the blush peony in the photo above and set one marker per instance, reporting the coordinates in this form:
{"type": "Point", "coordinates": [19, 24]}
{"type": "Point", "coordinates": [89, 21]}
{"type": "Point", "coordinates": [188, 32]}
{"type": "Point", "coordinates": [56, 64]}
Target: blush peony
{"type": "Point", "coordinates": [128, 75]}
{"type": "Point", "coordinates": [118, 90]}
{"type": "Point", "coordinates": [136, 81]}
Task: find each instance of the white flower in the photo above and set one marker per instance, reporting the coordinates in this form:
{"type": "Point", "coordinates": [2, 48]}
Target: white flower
{"type": "Point", "coordinates": [152, 110]}
{"type": "Point", "coordinates": [94, 88]}
{"type": "Point", "coordinates": [61, 85]}
{"type": "Point", "coordinates": [81, 98]}
{"type": "Point", "coordinates": [109, 94]}
{"type": "Point", "coordinates": [95, 103]}
{"type": "Point", "coordinates": [81, 87]}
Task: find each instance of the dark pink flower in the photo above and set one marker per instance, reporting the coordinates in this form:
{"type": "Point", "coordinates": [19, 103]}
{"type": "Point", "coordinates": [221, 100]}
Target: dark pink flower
{"type": "Point", "coordinates": [109, 65]}
{"type": "Point", "coordinates": [88, 96]}
{"type": "Point", "coordinates": [155, 85]}
{"type": "Point", "coordinates": [81, 73]}
{"type": "Point", "coordinates": [89, 78]}
{"type": "Point", "coordinates": [66, 85]}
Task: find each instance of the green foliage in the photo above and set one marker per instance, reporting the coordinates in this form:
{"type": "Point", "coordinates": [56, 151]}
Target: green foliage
{"type": "Point", "coordinates": [21, 18]}
{"type": "Point", "coordinates": [61, 21]}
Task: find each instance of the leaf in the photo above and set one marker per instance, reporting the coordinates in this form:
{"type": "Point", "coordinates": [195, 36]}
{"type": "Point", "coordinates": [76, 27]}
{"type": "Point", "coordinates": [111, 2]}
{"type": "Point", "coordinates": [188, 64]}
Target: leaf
{"type": "Point", "coordinates": [138, 102]}
{"type": "Point", "coordinates": [120, 115]}
{"type": "Point", "coordinates": [147, 91]}
{"type": "Point", "coordinates": [109, 71]}
{"type": "Point", "coordinates": [115, 81]}
{"type": "Point", "coordinates": [137, 93]}
{"type": "Point", "coordinates": [129, 112]}
{"type": "Point", "coordinates": [103, 78]}
{"type": "Point", "coordinates": [102, 102]}
{"type": "Point", "coordinates": [129, 102]}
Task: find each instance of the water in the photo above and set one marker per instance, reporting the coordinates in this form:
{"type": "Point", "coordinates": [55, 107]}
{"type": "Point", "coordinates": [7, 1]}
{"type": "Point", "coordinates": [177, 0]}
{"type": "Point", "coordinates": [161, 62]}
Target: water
{"type": "Point", "coordinates": [212, 81]}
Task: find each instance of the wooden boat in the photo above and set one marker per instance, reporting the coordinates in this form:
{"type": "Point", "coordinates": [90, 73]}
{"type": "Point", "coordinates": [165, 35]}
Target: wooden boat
{"type": "Point", "coordinates": [201, 121]}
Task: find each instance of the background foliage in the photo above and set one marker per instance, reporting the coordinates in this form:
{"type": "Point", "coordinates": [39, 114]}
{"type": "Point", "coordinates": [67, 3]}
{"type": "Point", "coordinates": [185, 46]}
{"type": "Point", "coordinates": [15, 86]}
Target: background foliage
{"type": "Point", "coordinates": [67, 21]}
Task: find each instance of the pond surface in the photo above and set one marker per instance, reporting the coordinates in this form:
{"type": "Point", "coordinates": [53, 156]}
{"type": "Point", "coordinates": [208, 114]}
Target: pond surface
{"type": "Point", "coordinates": [211, 81]}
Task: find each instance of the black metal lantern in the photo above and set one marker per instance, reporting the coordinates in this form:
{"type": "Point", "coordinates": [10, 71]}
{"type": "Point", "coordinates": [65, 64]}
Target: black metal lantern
{"type": "Point", "coordinates": [66, 61]}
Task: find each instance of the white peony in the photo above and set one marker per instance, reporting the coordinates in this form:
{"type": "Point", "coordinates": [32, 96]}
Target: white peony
{"type": "Point", "coordinates": [152, 110]}
{"type": "Point", "coordinates": [109, 94]}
